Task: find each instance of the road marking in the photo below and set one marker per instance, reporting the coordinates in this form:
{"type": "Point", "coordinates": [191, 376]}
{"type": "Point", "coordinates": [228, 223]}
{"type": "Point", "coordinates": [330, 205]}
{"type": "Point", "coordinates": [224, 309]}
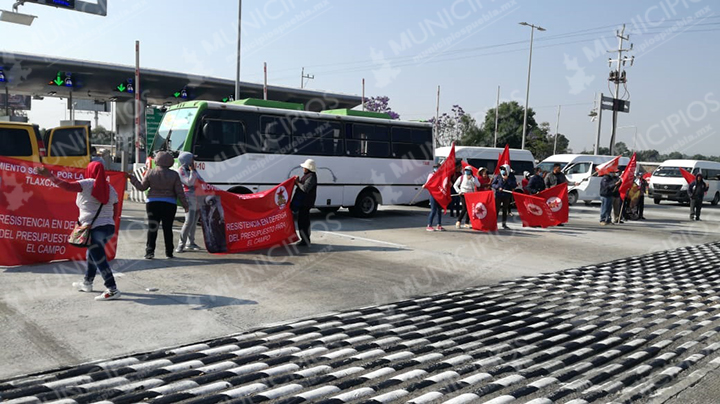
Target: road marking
{"type": "Point", "coordinates": [364, 239]}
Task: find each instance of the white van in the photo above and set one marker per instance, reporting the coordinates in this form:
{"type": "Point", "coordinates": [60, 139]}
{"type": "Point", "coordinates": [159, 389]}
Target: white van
{"type": "Point", "coordinates": [579, 168]}
{"type": "Point", "coordinates": [520, 160]}
{"type": "Point", "coordinates": [667, 183]}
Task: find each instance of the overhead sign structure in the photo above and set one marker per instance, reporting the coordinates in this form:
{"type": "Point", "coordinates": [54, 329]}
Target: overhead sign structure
{"type": "Point", "coordinates": [62, 79]}
{"type": "Point", "coordinates": [98, 7]}
{"type": "Point", "coordinates": [181, 94]}
{"type": "Point", "coordinates": [128, 86]}
{"type": "Point", "coordinates": [615, 104]}
{"type": "Point", "coordinates": [89, 105]}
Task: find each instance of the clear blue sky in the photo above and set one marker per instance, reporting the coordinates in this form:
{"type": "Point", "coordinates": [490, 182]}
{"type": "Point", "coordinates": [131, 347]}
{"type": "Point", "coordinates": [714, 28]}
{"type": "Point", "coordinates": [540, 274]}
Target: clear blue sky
{"type": "Point", "coordinates": [406, 48]}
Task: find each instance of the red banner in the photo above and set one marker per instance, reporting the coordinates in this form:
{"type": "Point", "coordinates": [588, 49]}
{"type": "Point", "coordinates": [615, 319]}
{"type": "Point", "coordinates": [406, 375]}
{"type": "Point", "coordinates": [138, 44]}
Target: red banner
{"type": "Point", "coordinates": [628, 176]}
{"type": "Point", "coordinates": [503, 158]}
{"type": "Point", "coordinates": [534, 211]}
{"type": "Point", "coordinates": [37, 217]}
{"type": "Point", "coordinates": [235, 223]}
{"type": "Point", "coordinates": [689, 177]}
{"type": "Point", "coordinates": [556, 199]}
{"type": "Point", "coordinates": [482, 211]}
{"type": "Point", "coordinates": [439, 183]}
{"type": "Point", "coordinates": [611, 166]}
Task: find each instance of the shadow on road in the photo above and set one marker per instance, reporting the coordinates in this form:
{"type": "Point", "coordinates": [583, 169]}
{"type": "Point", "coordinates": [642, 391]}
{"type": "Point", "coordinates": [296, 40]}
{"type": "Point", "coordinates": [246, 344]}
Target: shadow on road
{"type": "Point", "coordinates": [203, 302]}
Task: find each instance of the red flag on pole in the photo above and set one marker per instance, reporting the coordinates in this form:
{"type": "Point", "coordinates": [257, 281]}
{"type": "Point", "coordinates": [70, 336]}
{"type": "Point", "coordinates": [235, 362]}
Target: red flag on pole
{"type": "Point", "coordinates": [687, 175]}
{"type": "Point", "coordinates": [556, 199]}
{"type": "Point", "coordinates": [609, 167]}
{"type": "Point", "coordinates": [481, 208]}
{"type": "Point", "coordinates": [439, 183]}
{"type": "Point", "coordinates": [534, 211]}
{"type": "Point", "coordinates": [474, 170]}
{"type": "Point", "coordinates": [628, 176]}
{"type": "Point", "coordinates": [503, 158]}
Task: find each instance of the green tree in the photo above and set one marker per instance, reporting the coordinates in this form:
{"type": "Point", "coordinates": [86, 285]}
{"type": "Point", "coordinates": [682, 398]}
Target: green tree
{"type": "Point", "coordinates": [472, 135]}
{"type": "Point", "coordinates": [510, 122]}
{"type": "Point", "coordinates": [100, 135]}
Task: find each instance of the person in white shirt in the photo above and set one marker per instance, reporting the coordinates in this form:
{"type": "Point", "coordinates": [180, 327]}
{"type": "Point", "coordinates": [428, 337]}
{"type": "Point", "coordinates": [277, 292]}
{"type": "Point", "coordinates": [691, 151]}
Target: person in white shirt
{"type": "Point", "coordinates": [466, 184]}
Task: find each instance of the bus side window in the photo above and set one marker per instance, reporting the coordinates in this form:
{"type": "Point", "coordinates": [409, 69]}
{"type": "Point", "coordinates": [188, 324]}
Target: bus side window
{"type": "Point", "coordinates": [220, 140]}
{"type": "Point", "coordinates": [275, 134]}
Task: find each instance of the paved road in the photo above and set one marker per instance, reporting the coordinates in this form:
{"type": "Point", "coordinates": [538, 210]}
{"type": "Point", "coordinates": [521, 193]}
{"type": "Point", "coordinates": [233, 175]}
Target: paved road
{"type": "Point", "coordinates": [353, 263]}
{"type": "Point", "coordinates": [626, 330]}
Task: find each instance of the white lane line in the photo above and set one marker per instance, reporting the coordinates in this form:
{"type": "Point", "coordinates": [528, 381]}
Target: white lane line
{"type": "Point", "coordinates": [364, 239]}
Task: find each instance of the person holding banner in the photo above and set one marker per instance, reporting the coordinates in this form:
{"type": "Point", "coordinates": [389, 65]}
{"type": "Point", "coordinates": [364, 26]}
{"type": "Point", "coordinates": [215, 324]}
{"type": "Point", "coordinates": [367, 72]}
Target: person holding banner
{"type": "Point", "coordinates": [306, 194]}
{"type": "Point", "coordinates": [165, 190]}
{"type": "Point", "coordinates": [503, 184]}
{"type": "Point", "coordinates": [607, 186]}
{"type": "Point", "coordinates": [536, 184]}
{"type": "Point", "coordinates": [97, 202]}
{"type": "Point", "coordinates": [484, 179]}
{"type": "Point", "coordinates": [464, 185]}
{"type": "Point", "coordinates": [189, 177]}
{"type": "Point", "coordinates": [434, 207]}
{"type": "Point", "coordinates": [696, 191]}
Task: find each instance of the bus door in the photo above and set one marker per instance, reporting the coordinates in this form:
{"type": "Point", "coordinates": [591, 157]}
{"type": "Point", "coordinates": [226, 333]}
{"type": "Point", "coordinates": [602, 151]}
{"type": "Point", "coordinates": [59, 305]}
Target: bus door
{"type": "Point", "coordinates": [68, 146]}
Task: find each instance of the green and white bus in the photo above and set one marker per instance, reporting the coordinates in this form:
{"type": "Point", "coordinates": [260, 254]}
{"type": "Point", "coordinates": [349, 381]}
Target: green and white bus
{"type": "Point", "coordinates": [363, 159]}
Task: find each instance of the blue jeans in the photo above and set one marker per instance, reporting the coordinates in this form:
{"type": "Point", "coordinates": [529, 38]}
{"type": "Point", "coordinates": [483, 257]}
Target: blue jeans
{"type": "Point", "coordinates": [434, 211]}
{"type": "Point", "coordinates": [606, 206]}
{"type": "Point", "coordinates": [96, 258]}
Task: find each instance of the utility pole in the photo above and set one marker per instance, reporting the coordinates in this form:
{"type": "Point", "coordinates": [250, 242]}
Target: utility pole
{"type": "Point", "coordinates": [363, 94]}
{"type": "Point", "coordinates": [237, 71]}
{"type": "Point", "coordinates": [265, 81]}
{"type": "Point", "coordinates": [618, 76]}
{"type": "Point", "coordinates": [303, 76]}
{"type": "Point", "coordinates": [599, 123]}
{"type": "Point", "coordinates": [437, 116]}
{"type": "Point", "coordinates": [497, 115]}
{"type": "Point", "coordinates": [557, 128]}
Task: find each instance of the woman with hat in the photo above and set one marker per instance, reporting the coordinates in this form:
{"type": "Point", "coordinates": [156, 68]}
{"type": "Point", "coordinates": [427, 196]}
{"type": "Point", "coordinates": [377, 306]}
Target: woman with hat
{"type": "Point", "coordinates": [465, 185]}
{"type": "Point", "coordinates": [305, 199]}
{"type": "Point", "coordinates": [165, 190]}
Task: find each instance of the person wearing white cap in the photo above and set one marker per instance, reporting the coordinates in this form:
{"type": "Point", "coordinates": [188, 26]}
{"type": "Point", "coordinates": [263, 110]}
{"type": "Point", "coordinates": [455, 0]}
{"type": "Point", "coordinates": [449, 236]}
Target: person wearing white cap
{"type": "Point", "coordinates": [305, 199]}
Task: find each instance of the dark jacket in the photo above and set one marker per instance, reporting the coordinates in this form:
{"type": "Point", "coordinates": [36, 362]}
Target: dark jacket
{"type": "Point", "coordinates": [307, 190]}
{"type": "Point", "coordinates": [552, 179]}
{"type": "Point", "coordinates": [697, 189]}
{"type": "Point", "coordinates": [500, 184]}
{"type": "Point", "coordinates": [607, 185]}
{"type": "Point", "coordinates": [536, 184]}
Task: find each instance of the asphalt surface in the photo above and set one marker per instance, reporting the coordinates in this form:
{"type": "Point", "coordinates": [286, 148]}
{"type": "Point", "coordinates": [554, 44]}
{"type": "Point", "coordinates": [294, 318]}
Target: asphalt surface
{"type": "Point", "coordinates": [360, 263]}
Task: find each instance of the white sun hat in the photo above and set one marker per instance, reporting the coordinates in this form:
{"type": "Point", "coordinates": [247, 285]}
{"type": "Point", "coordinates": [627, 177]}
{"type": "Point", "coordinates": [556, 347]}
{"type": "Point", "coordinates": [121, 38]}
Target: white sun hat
{"type": "Point", "coordinates": [309, 164]}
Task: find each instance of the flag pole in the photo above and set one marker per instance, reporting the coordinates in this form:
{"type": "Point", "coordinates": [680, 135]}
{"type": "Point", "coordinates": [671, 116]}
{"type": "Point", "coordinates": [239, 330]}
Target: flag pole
{"type": "Point", "coordinates": [416, 195]}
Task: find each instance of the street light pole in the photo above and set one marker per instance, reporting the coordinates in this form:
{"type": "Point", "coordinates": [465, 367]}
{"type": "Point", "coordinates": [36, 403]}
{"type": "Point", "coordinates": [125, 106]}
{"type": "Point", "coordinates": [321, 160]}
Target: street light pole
{"type": "Point", "coordinates": [237, 73]}
{"type": "Point", "coordinates": [527, 91]}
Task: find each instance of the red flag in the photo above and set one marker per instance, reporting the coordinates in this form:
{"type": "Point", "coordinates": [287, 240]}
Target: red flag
{"type": "Point", "coordinates": [439, 183]}
{"type": "Point", "coordinates": [628, 176]}
{"type": "Point", "coordinates": [474, 170]}
{"type": "Point", "coordinates": [687, 175]}
{"type": "Point", "coordinates": [481, 208]}
{"type": "Point", "coordinates": [556, 199]}
{"type": "Point", "coordinates": [534, 211]}
{"type": "Point", "coordinates": [609, 167]}
{"type": "Point", "coordinates": [503, 158]}
{"type": "Point", "coordinates": [36, 217]}
{"type": "Point", "coordinates": [234, 223]}
{"type": "Point", "coordinates": [647, 176]}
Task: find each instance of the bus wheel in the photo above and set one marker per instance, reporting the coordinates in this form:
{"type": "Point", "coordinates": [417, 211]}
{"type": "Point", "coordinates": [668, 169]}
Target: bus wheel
{"type": "Point", "coordinates": [657, 201]}
{"type": "Point", "coordinates": [366, 204]}
{"type": "Point", "coordinates": [328, 210]}
{"type": "Point", "coordinates": [572, 198]}
{"type": "Point", "coordinates": [716, 199]}
{"type": "Point", "coordinates": [240, 190]}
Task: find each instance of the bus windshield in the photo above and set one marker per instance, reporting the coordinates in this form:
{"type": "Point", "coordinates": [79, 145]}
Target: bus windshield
{"type": "Point", "coordinates": [174, 129]}
{"type": "Point", "coordinates": [673, 172]}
